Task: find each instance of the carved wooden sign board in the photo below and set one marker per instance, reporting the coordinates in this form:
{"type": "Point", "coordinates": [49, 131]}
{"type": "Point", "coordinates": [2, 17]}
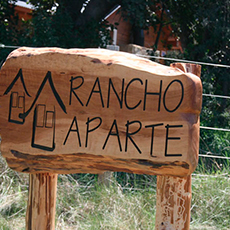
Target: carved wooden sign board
{"type": "Point", "coordinates": [94, 110]}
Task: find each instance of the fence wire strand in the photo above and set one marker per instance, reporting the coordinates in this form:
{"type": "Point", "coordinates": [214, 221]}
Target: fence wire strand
{"type": "Point", "coordinates": [218, 96]}
{"type": "Point", "coordinates": [214, 156]}
{"type": "Point", "coordinates": [215, 129]}
{"type": "Point", "coordinates": [224, 176]}
{"type": "Point", "coordinates": [187, 61]}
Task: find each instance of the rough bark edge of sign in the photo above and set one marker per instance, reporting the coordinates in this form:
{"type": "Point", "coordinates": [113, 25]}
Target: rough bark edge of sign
{"type": "Point", "coordinates": [27, 163]}
{"type": "Point", "coordinates": [100, 57]}
{"type": "Point", "coordinates": [195, 70]}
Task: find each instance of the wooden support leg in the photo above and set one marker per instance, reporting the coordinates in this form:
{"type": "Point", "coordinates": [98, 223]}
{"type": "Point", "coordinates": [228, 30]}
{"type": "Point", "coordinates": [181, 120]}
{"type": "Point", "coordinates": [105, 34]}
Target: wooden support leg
{"type": "Point", "coordinates": [174, 194]}
{"type": "Point", "coordinates": [42, 201]}
{"type": "Point", "coordinates": [173, 203]}
{"type": "Point", "coordinates": [105, 178]}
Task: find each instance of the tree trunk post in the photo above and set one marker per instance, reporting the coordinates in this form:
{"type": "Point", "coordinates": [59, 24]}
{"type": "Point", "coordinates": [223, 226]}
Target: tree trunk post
{"type": "Point", "coordinates": [106, 178]}
{"type": "Point", "coordinates": [42, 202]}
{"type": "Point", "coordinates": [174, 194]}
{"type": "Point", "coordinates": [173, 203]}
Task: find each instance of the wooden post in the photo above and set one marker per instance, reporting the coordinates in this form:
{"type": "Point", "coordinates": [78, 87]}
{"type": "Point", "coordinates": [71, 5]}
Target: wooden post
{"type": "Point", "coordinates": [105, 178]}
{"type": "Point", "coordinates": [174, 194]}
{"type": "Point", "coordinates": [42, 201]}
{"type": "Point", "coordinates": [173, 203]}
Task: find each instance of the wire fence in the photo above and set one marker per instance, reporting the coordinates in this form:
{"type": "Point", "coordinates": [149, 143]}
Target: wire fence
{"type": "Point", "coordinates": [216, 96]}
{"type": "Point", "coordinates": [208, 154]}
{"type": "Point", "coordinates": [8, 47]}
{"type": "Point", "coordinates": [184, 60]}
{"type": "Point", "coordinates": [216, 129]}
{"type": "Point", "coordinates": [224, 176]}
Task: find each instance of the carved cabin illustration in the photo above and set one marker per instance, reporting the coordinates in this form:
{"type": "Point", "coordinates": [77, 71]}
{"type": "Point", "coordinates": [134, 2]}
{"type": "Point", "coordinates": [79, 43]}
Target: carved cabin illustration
{"type": "Point", "coordinates": [17, 99]}
{"type": "Point", "coordinates": [44, 117]}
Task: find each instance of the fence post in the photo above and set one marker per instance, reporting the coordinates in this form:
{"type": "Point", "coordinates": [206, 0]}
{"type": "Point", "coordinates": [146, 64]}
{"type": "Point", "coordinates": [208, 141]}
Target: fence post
{"type": "Point", "coordinates": [174, 194]}
{"type": "Point", "coordinates": [42, 202]}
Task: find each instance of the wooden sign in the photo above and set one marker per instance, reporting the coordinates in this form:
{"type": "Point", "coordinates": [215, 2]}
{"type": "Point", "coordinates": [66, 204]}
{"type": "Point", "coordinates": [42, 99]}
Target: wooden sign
{"type": "Point", "coordinates": [93, 110]}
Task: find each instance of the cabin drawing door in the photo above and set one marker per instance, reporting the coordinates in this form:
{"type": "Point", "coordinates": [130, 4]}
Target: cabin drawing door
{"type": "Point", "coordinates": [17, 106]}
{"type": "Point", "coordinates": [43, 133]}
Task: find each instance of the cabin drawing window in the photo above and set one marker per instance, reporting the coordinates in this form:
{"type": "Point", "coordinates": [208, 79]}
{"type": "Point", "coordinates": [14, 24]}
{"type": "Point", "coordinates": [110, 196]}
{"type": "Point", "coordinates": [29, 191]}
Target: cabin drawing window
{"type": "Point", "coordinates": [43, 135]}
{"type": "Point", "coordinates": [17, 106]}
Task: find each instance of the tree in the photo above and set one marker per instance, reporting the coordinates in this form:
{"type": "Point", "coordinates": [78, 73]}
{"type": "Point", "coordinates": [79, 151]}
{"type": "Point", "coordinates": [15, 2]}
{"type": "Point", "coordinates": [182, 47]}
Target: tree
{"type": "Point", "coordinates": [76, 23]}
{"type": "Point", "coordinates": [8, 29]}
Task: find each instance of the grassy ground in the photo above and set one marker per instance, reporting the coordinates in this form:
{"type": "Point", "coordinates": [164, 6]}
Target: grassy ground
{"type": "Point", "coordinates": [128, 204]}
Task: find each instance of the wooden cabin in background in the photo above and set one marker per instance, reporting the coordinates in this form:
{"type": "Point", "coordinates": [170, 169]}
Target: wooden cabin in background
{"type": "Point", "coordinates": [23, 10]}
{"type": "Point", "coordinates": [123, 37]}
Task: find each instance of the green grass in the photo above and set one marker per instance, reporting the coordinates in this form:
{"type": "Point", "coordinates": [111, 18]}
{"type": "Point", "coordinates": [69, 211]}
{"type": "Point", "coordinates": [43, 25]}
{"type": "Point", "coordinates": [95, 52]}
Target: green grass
{"type": "Point", "coordinates": [100, 207]}
{"type": "Point", "coordinates": [128, 204]}
{"type": "Point", "coordinates": [211, 202]}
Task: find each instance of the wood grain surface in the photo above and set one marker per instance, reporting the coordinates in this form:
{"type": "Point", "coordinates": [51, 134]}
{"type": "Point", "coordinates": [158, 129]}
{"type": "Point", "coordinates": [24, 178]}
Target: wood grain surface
{"type": "Point", "coordinates": [41, 206]}
{"type": "Point", "coordinates": [94, 110]}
